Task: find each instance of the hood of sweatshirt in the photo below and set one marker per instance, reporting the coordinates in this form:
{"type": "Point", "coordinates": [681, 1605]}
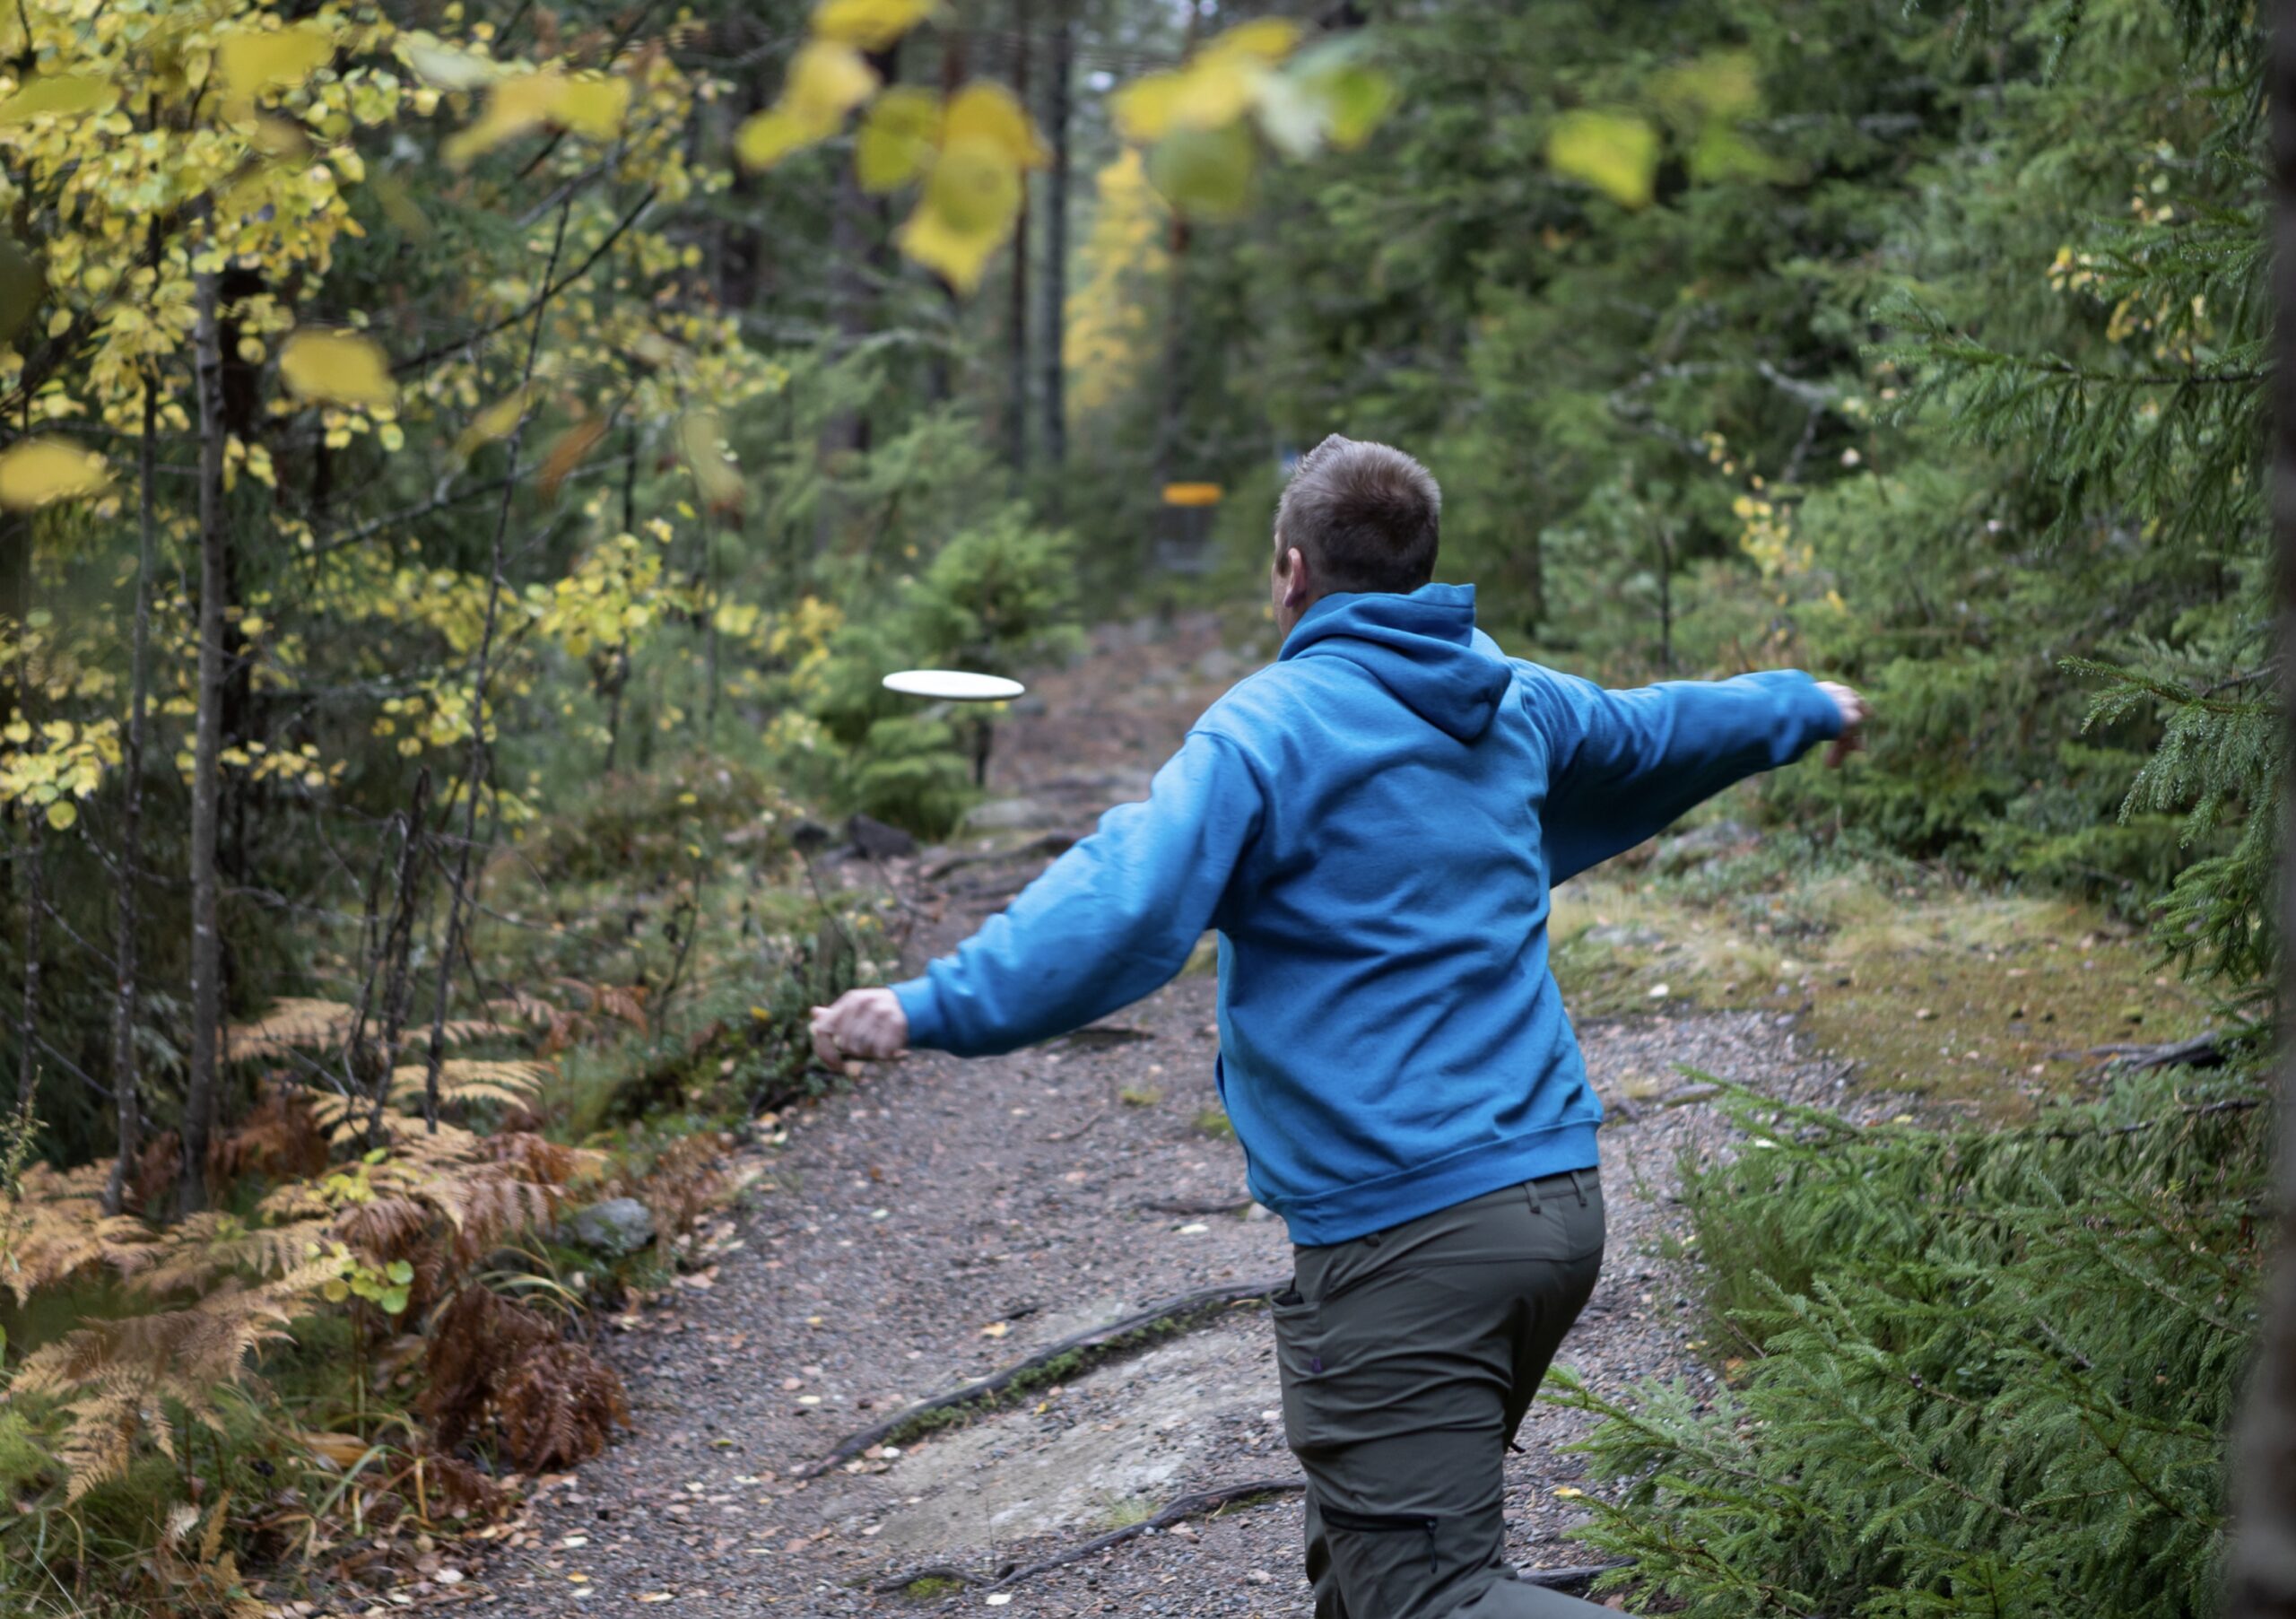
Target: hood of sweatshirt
{"type": "Point", "coordinates": [1419, 647]}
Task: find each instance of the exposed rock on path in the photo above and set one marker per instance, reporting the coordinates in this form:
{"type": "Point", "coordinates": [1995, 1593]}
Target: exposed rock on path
{"type": "Point", "coordinates": [947, 1218]}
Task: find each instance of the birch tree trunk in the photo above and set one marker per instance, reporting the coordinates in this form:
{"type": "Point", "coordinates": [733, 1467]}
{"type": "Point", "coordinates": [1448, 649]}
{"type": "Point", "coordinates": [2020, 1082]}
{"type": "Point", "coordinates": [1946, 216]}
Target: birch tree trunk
{"type": "Point", "coordinates": [206, 767]}
{"type": "Point", "coordinates": [126, 1109]}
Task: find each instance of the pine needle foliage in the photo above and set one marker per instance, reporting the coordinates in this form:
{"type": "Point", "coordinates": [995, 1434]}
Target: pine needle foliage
{"type": "Point", "coordinates": [1981, 1371]}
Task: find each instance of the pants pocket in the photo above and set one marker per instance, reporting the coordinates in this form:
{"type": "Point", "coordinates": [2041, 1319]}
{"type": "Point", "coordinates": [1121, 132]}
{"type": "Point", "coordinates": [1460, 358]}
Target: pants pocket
{"type": "Point", "coordinates": [1299, 1364]}
{"type": "Point", "coordinates": [1362, 1549]}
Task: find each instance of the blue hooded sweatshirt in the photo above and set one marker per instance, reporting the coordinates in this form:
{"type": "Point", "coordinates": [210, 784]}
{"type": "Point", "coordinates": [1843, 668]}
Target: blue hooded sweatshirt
{"type": "Point", "coordinates": [1373, 825]}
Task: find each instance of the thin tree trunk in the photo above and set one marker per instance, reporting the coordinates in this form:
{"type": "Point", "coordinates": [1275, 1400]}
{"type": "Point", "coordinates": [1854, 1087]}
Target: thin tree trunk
{"type": "Point", "coordinates": [207, 746]}
{"type": "Point", "coordinates": [1016, 377]}
{"type": "Point", "coordinates": [1053, 296]}
{"type": "Point", "coordinates": [131, 814]}
{"type": "Point", "coordinates": [34, 856]}
{"type": "Point", "coordinates": [460, 899]}
{"type": "Point", "coordinates": [1172, 408]}
{"type": "Point", "coordinates": [2261, 1578]}
{"type": "Point", "coordinates": [618, 668]}
{"type": "Point", "coordinates": [35, 917]}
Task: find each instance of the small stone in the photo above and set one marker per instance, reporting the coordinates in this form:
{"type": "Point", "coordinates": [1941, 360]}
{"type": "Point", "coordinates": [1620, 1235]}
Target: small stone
{"type": "Point", "coordinates": [615, 1229]}
{"type": "Point", "coordinates": [878, 840]}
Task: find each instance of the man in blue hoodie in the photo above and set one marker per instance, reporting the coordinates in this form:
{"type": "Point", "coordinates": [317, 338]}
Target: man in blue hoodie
{"type": "Point", "coordinates": [1374, 825]}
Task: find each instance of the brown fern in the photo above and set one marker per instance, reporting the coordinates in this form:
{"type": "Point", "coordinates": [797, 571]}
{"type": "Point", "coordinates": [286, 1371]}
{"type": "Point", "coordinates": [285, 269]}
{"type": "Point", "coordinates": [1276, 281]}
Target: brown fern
{"type": "Point", "coordinates": [545, 1162]}
{"type": "Point", "coordinates": [305, 1025]}
{"type": "Point", "coordinates": [205, 1247]}
{"type": "Point", "coordinates": [55, 1228]}
{"type": "Point", "coordinates": [475, 1341]}
{"type": "Point", "coordinates": [465, 1080]}
{"type": "Point", "coordinates": [560, 1406]}
{"type": "Point", "coordinates": [279, 1137]}
{"type": "Point", "coordinates": [119, 1377]}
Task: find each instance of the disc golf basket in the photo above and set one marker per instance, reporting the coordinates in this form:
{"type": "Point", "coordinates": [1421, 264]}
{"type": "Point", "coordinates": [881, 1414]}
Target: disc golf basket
{"type": "Point", "coordinates": [1184, 534]}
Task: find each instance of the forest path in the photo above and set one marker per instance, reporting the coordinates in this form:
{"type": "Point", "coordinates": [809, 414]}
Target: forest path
{"type": "Point", "coordinates": [945, 1219]}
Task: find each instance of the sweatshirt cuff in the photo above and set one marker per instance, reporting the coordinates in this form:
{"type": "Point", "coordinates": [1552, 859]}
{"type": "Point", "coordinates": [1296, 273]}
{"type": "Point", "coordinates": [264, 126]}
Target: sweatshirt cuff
{"type": "Point", "coordinates": [922, 1008]}
{"type": "Point", "coordinates": [1824, 713]}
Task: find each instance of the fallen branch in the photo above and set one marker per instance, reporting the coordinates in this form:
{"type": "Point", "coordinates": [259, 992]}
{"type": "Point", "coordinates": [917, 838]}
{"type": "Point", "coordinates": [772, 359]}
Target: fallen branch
{"type": "Point", "coordinates": [1049, 843]}
{"type": "Point", "coordinates": [2200, 1052]}
{"type": "Point", "coordinates": [1098, 1114]}
{"type": "Point", "coordinates": [1198, 1505]}
{"type": "Point", "coordinates": [1167, 1206]}
{"type": "Point", "coordinates": [1202, 1504]}
{"type": "Point", "coordinates": [1069, 1356]}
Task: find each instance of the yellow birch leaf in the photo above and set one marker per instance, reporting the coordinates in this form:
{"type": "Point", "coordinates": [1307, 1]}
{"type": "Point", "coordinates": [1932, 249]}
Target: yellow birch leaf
{"type": "Point", "coordinates": [870, 24]}
{"type": "Point", "coordinates": [592, 108]}
{"type": "Point", "coordinates": [516, 106]}
{"type": "Point", "coordinates": [765, 138]}
{"type": "Point", "coordinates": [340, 367]}
{"type": "Point", "coordinates": [896, 138]}
{"type": "Point", "coordinates": [701, 440]}
{"type": "Point", "coordinates": [827, 81]}
{"type": "Point", "coordinates": [959, 257]}
{"type": "Point", "coordinates": [1215, 92]}
{"type": "Point", "coordinates": [39, 471]}
{"type": "Point", "coordinates": [278, 139]}
{"type": "Point", "coordinates": [497, 421]}
{"type": "Point", "coordinates": [1205, 172]}
{"type": "Point", "coordinates": [1263, 39]}
{"type": "Point", "coordinates": [62, 94]}
{"type": "Point", "coordinates": [992, 114]}
{"type": "Point", "coordinates": [61, 815]}
{"type": "Point", "coordinates": [975, 187]}
{"type": "Point", "coordinates": [566, 454]}
{"type": "Point", "coordinates": [1357, 97]}
{"type": "Point", "coordinates": [444, 67]}
{"type": "Point", "coordinates": [254, 60]}
{"type": "Point", "coordinates": [1142, 109]}
{"type": "Point", "coordinates": [1616, 152]}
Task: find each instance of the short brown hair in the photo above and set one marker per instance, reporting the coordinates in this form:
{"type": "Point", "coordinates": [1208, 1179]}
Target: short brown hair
{"type": "Point", "coordinates": [1365, 515]}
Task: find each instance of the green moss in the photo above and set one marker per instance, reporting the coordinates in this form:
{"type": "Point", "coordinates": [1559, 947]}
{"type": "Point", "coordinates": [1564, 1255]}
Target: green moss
{"type": "Point", "coordinates": [1214, 1122]}
{"type": "Point", "coordinates": [1980, 999]}
{"type": "Point", "coordinates": [931, 1585]}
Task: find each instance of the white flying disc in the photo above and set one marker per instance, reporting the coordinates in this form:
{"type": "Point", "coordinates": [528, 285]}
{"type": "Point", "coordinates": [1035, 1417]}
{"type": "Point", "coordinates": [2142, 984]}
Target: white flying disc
{"type": "Point", "coordinates": [954, 685]}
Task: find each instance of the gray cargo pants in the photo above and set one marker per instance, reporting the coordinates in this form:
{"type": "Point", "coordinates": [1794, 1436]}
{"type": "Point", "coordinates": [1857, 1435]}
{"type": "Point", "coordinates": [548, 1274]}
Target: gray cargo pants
{"type": "Point", "coordinates": [1408, 1358]}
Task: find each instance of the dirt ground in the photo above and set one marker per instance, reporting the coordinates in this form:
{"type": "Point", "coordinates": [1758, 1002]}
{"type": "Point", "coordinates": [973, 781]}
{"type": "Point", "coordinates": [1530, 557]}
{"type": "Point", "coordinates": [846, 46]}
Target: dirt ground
{"type": "Point", "coordinates": [945, 1218]}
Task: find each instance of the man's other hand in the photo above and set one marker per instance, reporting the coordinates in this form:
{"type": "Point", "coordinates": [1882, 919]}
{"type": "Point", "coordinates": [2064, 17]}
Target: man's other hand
{"type": "Point", "coordinates": [866, 1024]}
{"type": "Point", "coordinates": [1853, 722]}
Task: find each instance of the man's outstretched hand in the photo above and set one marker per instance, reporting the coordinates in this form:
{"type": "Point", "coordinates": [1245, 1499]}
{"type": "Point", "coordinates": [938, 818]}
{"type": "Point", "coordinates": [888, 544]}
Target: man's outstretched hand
{"type": "Point", "coordinates": [1853, 722]}
{"type": "Point", "coordinates": [868, 1023]}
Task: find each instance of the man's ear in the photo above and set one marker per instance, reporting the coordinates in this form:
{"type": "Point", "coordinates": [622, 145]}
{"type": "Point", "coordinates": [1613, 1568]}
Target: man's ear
{"type": "Point", "coordinates": [1295, 577]}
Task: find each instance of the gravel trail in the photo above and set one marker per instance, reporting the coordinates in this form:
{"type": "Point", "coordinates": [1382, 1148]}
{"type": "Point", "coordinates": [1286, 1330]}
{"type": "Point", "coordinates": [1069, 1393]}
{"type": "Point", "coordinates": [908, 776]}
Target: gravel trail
{"type": "Point", "coordinates": [945, 1218]}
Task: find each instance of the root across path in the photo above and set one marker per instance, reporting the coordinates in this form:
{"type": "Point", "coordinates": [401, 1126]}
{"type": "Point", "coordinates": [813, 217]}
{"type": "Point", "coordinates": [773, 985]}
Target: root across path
{"type": "Point", "coordinates": [988, 1337]}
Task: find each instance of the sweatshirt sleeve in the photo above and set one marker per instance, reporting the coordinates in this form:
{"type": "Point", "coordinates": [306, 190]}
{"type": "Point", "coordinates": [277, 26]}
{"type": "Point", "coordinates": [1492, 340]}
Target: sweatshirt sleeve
{"type": "Point", "coordinates": [1110, 920]}
{"type": "Point", "coordinates": [1625, 763]}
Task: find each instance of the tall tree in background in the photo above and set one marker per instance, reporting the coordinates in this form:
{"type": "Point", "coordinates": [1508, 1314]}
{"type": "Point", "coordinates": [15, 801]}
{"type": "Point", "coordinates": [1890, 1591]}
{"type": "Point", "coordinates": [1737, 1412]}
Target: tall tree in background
{"type": "Point", "coordinates": [207, 743]}
{"type": "Point", "coordinates": [2263, 1575]}
{"type": "Point", "coordinates": [1016, 375]}
{"type": "Point", "coordinates": [1059, 69]}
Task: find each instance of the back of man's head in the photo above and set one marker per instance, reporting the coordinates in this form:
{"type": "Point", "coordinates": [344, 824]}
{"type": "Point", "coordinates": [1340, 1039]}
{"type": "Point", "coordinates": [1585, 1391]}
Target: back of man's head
{"type": "Point", "coordinates": [1365, 516]}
